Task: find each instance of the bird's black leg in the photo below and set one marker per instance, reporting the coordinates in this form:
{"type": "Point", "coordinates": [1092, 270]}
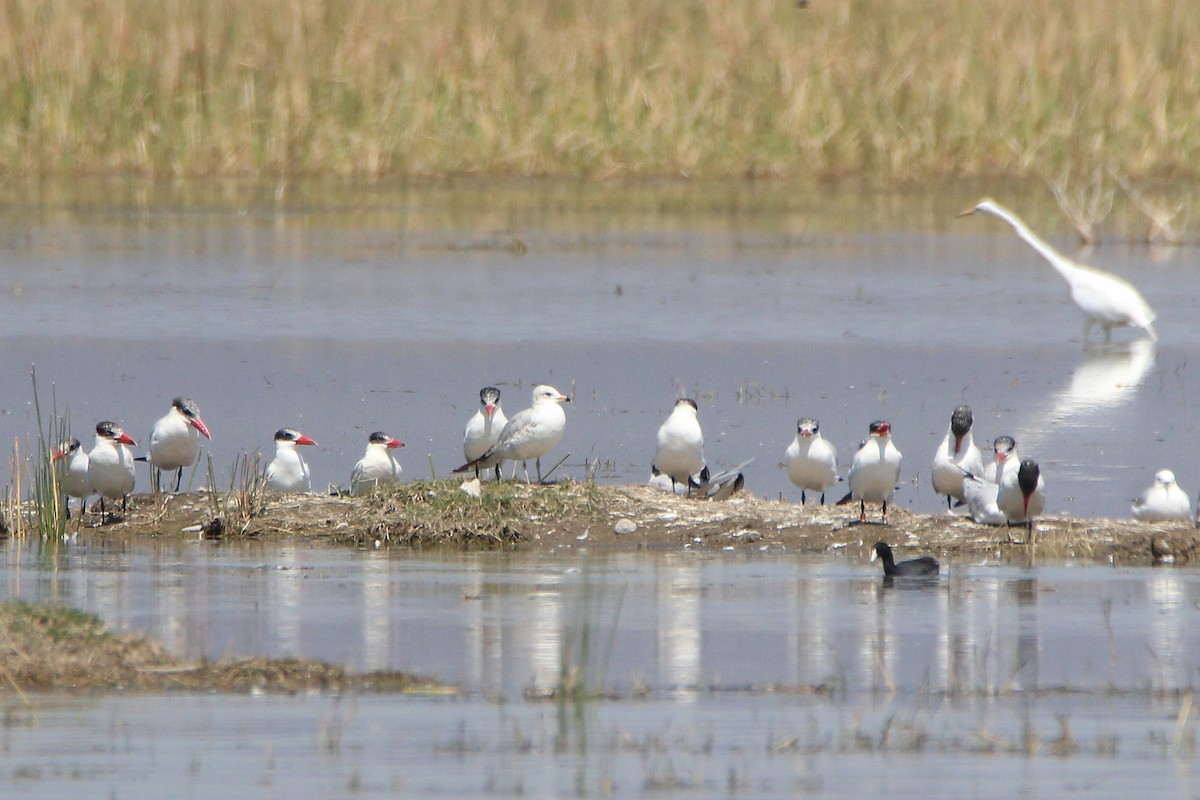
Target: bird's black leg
{"type": "Point", "coordinates": [803, 499]}
{"type": "Point", "coordinates": [885, 512]}
{"type": "Point", "coordinates": [178, 480]}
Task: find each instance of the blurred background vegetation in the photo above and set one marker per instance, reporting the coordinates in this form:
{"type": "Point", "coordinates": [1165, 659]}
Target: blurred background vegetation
{"type": "Point", "coordinates": [916, 90]}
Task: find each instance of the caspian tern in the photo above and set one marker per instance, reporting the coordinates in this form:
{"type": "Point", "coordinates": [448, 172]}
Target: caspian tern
{"type": "Point", "coordinates": [679, 450]}
{"type": "Point", "coordinates": [75, 478]}
{"type": "Point", "coordinates": [1021, 496]}
{"type": "Point", "coordinates": [110, 465]}
{"type": "Point", "coordinates": [875, 470]}
{"type": "Point", "coordinates": [1002, 448]}
{"type": "Point", "coordinates": [532, 433]}
{"type": "Point", "coordinates": [175, 440]}
{"type": "Point", "coordinates": [811, 460]}
{"type": "Point", "coordinates": [915, 567]}
{"type": "Point", "coordinates": [1104, 299]}
{"type": "Point", "coordinates": [980, 495]}
{"type": "Point", "coordinates": [484, 428]}
{"type": "Point", "coordinates": [956, 453]}
{"type": "Point", "coordinates": [1164, 501]}
{"type": "Point", "coordinates": [378, 467]}
{"type": "Point", "coordinates": [288, 472]}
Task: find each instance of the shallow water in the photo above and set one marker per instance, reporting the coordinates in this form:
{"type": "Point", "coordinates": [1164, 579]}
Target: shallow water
{"type": "Point", "coordinates": [389, 311]}
{"type": "Point", "coordinates": [763, 674]}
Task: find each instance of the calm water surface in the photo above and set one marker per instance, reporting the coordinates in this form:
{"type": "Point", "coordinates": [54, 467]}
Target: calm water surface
{"type": "Point", "coordinates": [765, 671]}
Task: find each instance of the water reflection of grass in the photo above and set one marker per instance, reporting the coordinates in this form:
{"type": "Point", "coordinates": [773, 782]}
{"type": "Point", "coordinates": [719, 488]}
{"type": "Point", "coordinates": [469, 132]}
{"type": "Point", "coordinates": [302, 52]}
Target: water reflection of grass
{"type": "Point", "coordinates": [598, 88]}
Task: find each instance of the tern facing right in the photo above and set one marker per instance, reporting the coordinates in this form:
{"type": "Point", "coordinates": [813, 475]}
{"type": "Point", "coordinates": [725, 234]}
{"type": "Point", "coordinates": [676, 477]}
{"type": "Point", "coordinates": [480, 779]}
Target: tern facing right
{"type": "Point", "coordinates": [532, 433]}
{"type": "Point", "coordinates": [377, 467]}
{"type": "Point", "coordinates": [875, 470]}
{"type": "Point", "coordinates": [1104, 299]}
{"type": "Point", "coordinates": [811, 460]}
{"type": "Point", "coordinates": [110, 465]}
{"type": "Point", "coordinates": [175, 440]}
{"type": "Point", "coordinates": [484, 428]}
{"type": "Point", "coordinates": [957, 453]}
{"type": "Point", "coordinates": [679, 452]}
{"type": "Point", "coordinates": [1164, 501]}
{"type": "Point", "coordinates": [288, 472]}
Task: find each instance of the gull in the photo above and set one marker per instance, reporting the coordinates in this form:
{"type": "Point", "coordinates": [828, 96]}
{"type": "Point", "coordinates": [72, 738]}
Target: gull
{"type": "Point", "coordinates": [679, 452]}
{"type": "Point", "coordinates": [957, 453]}
{"type": "Point", "coordinates": [811, 460]}
{"type": "Point", "coordinates": [75, 478]}
{"type": "Point", "coordinates": [914, 567]}
{"type": "Point", "coordinates": [377, 467]}
{"type": "Point", "coordinates": [1104, 299]}
{"type": "Point", "coordinates": [1021, 496]}
{"type": "Point", "coordinates": [288, 472]}
{"type": "Point", "coordinates": [110, 465]}
{"type": "Point", "coordinates": [532, 433]}
{"type": "Point", "coordinates": [484, 428]}
{"type": "Point", "coordinates": [874, 471]}
{"type": "Point", "coordinates": [1164, 501]}
{"type": "Point", "coordinates": [175, 440]}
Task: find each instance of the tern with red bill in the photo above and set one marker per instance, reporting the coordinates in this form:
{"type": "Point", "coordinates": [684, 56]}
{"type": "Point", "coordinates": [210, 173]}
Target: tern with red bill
{"type": "Point", "coordinates": [175, 440]}
{"type": "Point", "coordinates": [288, 472]}
{"type": "Point", "coordinates": [75, 478]}
{"type": "Point", "coordinates": [110, 465]}
{"type": "Point", "coordinates": [875, 470]}
{"type": "Point", "coordinates": [532, 433]}
{"type": "Point", "coordinates": [378, 467]}
{"type": "Point", "coordinates": [1022, 493]}
{"type": "Point", "coordinates": [956, 453]}
{"type": "Point", "coordinates": [483, 429]}
{"type": "Point", "coordinates": [811, 460]}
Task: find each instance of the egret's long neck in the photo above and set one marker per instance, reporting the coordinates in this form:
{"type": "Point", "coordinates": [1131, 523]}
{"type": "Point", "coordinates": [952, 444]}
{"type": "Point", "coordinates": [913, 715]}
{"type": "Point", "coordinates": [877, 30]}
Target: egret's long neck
{"type": "Point", "coordinates": [1060, 263]}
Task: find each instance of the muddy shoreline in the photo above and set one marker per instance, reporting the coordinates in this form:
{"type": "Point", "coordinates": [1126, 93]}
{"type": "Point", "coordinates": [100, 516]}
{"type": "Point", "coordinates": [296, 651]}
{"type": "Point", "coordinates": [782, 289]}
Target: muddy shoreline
{"type": "Point", "coordinates": [572, 515]}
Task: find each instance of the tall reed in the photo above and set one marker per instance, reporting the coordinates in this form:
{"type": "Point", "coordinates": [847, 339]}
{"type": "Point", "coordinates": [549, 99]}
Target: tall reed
{"type": "Point", "coordinates": [599, 87]}
{"type": "Point", "coordinates": [49, 508]}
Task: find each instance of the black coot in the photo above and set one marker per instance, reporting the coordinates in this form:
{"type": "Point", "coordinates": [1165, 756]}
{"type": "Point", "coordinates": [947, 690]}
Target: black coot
{"type": "Point", "coordinates": [925, 565]}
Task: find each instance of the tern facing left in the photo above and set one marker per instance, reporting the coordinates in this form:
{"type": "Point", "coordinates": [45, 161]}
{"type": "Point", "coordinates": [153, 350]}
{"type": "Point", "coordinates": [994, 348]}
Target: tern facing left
{"type": "Point", "coordinates": [1104, 299]}
{"type": "Point", "coordinates": [378, 467]}
{"type": "Point", "coordinates": [875, 470]}
{"type": "Point", "coordinates": [288, 472]}
{"type": "Point", "coordinates": [75, 479]}
{"type": "Point", "coordinates": [110, 465]}
{"type": "Point", "coordinates": [811, 460]}
{"type": "Point", "coordinates": [175, 440]}
{"type": "Point", "coordinates": [679, 452]}
{"type": "Point", "coordinates": [532, 433]}
{"type": "Point", "coordinates": [956, 453]}
{"type": "Point", "coordinates": [1164, 501]}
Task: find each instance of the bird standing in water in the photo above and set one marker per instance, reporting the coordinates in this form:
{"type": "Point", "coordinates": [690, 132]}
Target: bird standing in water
{"type": "Point", "coordinates": [1104, 299]}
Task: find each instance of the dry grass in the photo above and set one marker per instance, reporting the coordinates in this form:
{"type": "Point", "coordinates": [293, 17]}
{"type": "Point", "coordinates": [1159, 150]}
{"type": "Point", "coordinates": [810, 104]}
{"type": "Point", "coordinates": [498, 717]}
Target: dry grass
{"type": "Point", "coordinates": [599, 88]}
{"type": "Point", "coordinates": [579, 515]}
{"type": "Point", "coordinates": [45, 648]}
